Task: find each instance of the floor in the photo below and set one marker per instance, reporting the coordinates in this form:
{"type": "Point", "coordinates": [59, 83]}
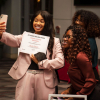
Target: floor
{"type": "Point", "coordinates": [7, 84]}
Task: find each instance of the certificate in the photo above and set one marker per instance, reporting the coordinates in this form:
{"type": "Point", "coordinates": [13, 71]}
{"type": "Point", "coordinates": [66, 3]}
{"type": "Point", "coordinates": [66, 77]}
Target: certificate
{"type": "Point", "coordinates": [33, 43]}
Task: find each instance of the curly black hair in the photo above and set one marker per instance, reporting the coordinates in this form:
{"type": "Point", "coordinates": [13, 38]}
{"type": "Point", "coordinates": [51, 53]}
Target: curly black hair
{"type": "Point", "coordinates": [79, 43]}
{"type": "Point", "coordinates": [48, 29]}
{"type": "Point", "coordinates": [90, 20]}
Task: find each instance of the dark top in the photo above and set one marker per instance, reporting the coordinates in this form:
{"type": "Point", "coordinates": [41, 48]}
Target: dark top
{"type": "Point", "coordinates": [33, 66]}
{"type": "Point", "coordinates": [94, 51]}
{"type": "Point", "coordinates": [81, 75]}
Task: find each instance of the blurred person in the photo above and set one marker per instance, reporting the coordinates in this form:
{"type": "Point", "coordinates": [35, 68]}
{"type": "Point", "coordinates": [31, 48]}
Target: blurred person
{"type": "Point", "coordinates": [91, 22]}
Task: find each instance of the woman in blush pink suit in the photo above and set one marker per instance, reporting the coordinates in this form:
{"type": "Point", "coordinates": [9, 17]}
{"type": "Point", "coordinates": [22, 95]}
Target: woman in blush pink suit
{"type": "Point", "coordinates": [36, 73]}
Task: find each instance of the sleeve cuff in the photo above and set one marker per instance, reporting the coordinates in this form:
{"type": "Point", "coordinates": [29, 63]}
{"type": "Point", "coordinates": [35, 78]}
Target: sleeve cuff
{"type": "Point", "coordinates": [40, 64]}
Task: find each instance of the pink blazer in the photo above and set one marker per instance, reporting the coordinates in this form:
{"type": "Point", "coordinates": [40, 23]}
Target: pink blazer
{"type": "Point", "coordinates": [23, 61]}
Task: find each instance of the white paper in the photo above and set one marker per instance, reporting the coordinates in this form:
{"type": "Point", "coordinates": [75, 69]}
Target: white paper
{"type": "Point", "coordinates": [33, 43]}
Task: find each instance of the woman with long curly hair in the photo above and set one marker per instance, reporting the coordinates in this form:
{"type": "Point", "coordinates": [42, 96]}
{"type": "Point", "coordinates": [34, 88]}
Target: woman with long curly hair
{"type": "Point", "coordinates": [36, 73]}
{"type": "Point", "coordinates": [77, 52]}
{"type": "Point", "coordinates": [91, 22]}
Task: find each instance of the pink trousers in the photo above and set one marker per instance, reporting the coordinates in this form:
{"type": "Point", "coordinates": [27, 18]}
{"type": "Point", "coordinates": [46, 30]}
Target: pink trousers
{"type": "Point", "coordinates": [32, 87]}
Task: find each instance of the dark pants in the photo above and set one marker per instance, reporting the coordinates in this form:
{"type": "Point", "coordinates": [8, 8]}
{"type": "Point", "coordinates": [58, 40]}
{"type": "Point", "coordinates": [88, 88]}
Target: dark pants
{"type": "Point", "coordinates": [95, 95]}
{"type": "Point", "coordinates": [96, 74]}
{"type": "Point", "coordinates": [56, 88]}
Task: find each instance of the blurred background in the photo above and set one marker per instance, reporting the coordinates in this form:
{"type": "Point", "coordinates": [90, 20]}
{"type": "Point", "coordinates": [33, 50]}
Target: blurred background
{"type": "Point", "coordinates": [20, 12]}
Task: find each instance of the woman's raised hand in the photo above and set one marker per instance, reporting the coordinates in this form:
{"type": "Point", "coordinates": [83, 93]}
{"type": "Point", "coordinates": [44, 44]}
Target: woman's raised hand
{"type": "Point", "coordinates": [2, 28]}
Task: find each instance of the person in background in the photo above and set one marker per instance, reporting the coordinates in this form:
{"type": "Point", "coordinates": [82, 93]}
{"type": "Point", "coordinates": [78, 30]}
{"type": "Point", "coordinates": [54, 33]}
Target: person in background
{"type": "Point", "coordinates": [77, 52]}
{"type": "Point", "coordinates": [91, 22]}
{"type": "Point", "coordinates": [36, 73]}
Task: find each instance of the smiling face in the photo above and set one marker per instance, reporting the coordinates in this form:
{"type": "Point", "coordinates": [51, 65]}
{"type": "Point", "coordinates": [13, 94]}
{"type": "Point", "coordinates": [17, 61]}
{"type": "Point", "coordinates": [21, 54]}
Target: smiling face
{"type": "Point", "coordinates": [67, 39]}
{"type": "Point", "coordinates": [38, 24]}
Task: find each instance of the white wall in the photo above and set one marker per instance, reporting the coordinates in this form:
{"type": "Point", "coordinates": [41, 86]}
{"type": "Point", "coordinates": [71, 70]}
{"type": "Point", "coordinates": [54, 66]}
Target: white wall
{"type": "Point", "coordinates": [63, 11]}
{"type": "Point", "coordinates": [62, 14]}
